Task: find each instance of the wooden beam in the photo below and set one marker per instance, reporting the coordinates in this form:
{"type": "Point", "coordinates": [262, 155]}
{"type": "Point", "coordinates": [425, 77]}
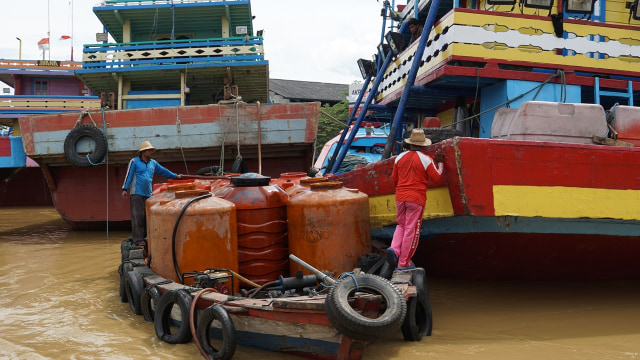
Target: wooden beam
{"type": "Point", "coordinates": [611, 142]}
{"type": "Point", "coordinates": [151, 96]}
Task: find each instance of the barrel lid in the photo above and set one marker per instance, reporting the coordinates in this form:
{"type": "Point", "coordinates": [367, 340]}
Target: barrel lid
{"type": "Point", "coordinates": [190, 193]}
{"type": "Point", "coordinates": [250, 179]}
{"type": "Point", "coordinates": [180, 187]}
{"type": "Point", "coordinates": [312, 180]}
{"type": "Point", "coordinates": [328, 185]}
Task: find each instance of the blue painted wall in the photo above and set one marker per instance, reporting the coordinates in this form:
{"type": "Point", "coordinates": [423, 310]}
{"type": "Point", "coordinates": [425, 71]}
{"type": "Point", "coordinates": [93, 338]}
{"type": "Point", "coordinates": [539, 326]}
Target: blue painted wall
{"type": "Point", "coordinates": [18, 157]}
{"type": "Point", "coordinates": [503, 91]}
{"type": "Point", "coordinates": [152, 103]}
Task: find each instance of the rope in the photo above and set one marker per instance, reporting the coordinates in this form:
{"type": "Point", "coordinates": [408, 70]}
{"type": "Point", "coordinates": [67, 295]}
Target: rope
{"type": "Point", "coordinates": [87, 112]}
{"type": "Point", "coordinates": [560, 73]}
{"type": "Point", "coordinates": [333, 118]}
{"type": "Point", "coordinates": [179, 127]}
{"type": "Point", "coordinates": [351, 275]}
{"type": "Point", "coordinates": [238, 129]}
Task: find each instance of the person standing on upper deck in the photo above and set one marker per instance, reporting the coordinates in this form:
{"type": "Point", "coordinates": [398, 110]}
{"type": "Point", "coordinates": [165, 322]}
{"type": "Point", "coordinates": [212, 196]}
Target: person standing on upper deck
{"type": "Point", "coordinates": [412, 171]}
{"type": "Point", "coordinates": [416, 30]}
{"type": "Point", "coordinates": [139, 179]}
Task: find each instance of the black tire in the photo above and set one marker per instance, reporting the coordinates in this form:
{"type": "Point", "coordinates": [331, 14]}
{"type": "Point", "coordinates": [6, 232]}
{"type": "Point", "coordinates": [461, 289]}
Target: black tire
{"type": "Point", "coordinates": [162, 320]}
{"type": "Point", "coordinates": [239, 167]}
{"type": "Point", "coordinates": [367, 261]}
{"type": "Point", "coordinates": [419, 280]}
{"type": "Point", "coordinates": [350, 322]}
{"type": "Point", "coordinates": [227, 330]}
{"type": "Point", "coordinates": [415, 324]}
{"type": "Point", "coordinates": [95, 156]}
{"type": "Point", "coordinates": [134, 286]}
{"type": "Point", "coordinates": [436, 134]}
{"type": "Point", "coordinates": [125, 248]}
{"type": "Point", "coordinates": [122, 270]}
{"type": "Point", "coordinates": [149, 295]}
{"type": "Point", "coordinates": [212, 170]}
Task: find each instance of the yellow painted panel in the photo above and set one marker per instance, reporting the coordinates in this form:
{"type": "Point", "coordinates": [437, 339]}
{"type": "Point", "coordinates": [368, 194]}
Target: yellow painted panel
{"type": "Point", "coordinates": [546, 57]}
{"type": "Point", "coordinates": [566, 202]}
{"type": "Point", "coordinates": [544, 25]}
{"type": "Point", "coordinates": [475, 19]}
{"type": "Point", "coordinates": [382, 209]}
{"type": "Point", "coordinates": [446, 117]}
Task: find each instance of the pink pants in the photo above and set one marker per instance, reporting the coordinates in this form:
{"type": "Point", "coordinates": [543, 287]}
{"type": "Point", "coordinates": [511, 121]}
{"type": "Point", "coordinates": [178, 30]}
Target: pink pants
{"type": "Point", "coordinates": [407, 234]}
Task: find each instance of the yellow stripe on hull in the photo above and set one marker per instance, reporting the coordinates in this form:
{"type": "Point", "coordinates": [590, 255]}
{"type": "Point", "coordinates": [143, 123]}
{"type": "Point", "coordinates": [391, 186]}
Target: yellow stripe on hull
{"type": "Point", "coordinates": [382, 209]}
{"type": "Point", "coordinates": [566, 202]}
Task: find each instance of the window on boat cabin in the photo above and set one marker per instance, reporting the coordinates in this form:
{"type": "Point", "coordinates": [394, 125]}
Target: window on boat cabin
{"type": "Point", "coordinates": [40, 87]}
{"type": "Point", "coordinates": [516, 7]}
{"type": "Point", "coordinates": [167, 37]}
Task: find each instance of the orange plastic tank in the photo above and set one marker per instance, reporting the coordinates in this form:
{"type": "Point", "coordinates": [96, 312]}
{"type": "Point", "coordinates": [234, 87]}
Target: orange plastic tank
{"type": "Point", "coordinates": [304, 185]}
{"type": "Point", "coordinates": [167, 194]}
{"type": "Point", "coordinates": [329, 227]}
{"type": "Point", "coordinates": [205, 238]}
{"type": "Point", "coordinates": [286, 180]}
{"type": "Point", "coordinates": [261, 211]}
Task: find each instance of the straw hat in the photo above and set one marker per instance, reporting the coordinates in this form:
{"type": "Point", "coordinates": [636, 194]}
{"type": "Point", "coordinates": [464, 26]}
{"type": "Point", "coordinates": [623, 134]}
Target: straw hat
{"type": "Point", "coordinates": [417, 138]}
{"type": "Point", "coordinates": [146, 146]}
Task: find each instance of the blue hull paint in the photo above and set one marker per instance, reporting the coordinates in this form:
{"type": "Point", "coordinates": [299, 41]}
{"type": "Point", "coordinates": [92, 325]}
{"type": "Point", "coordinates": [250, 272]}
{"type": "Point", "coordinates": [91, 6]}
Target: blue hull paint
{"type": "Point", "coordinates": [280, 343]}
{"type": "Point", "coordinates": [18, 158]}
{"type": "Point", "coordinates": [518, 225]}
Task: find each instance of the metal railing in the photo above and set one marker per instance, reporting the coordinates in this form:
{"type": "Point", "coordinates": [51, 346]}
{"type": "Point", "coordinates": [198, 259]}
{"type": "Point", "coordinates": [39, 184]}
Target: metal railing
{"type": "Point", "coordinates": [173, 52]}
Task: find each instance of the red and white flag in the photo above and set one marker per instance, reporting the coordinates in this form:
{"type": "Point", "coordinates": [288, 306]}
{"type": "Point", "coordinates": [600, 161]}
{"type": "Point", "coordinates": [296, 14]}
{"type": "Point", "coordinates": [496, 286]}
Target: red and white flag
{"type": "Point", "coordinates": [43, 44]}
{"type": "Point", "coordinates": [65, 37]}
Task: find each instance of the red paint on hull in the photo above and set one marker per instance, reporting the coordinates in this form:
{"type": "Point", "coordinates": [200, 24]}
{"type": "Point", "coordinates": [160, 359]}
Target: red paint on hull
{"type": "Point", "coordinates": [82, 195]}
{"type": "Point", "coordinates": [472, 168]}
{"type": "Point", "coordinates": [519, 256]}
{"type": "Point", "coordinates": [26, 187]}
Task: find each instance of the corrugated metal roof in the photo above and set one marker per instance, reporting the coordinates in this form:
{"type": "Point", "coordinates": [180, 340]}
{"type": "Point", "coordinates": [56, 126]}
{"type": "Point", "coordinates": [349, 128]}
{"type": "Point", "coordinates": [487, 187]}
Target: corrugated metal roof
{"type": "Point", "coordinates": [309, 91]}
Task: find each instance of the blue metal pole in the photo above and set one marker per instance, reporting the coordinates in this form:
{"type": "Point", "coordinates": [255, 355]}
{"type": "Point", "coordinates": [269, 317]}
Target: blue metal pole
{"type": "Point", "coordinates": [415, 64]}
{"type": "Point", "coordinates": [363, 112]}
{"type": "Point", "coordinates": [351, 117]}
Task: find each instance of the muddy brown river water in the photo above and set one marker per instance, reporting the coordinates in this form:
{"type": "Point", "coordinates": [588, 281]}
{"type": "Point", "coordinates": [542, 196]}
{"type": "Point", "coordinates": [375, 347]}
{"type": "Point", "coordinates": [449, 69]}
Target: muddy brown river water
{"type": "Point", "coordinates": [60, 301]}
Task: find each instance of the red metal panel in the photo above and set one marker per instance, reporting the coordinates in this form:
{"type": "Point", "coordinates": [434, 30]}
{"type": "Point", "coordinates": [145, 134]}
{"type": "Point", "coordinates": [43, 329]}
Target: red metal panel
{"type": "Point", "coordinates": [169, 116]}
{"type": "Point", "coordinates": [557, 164]}
{"type": "Point", "coordinates": [5, 146]}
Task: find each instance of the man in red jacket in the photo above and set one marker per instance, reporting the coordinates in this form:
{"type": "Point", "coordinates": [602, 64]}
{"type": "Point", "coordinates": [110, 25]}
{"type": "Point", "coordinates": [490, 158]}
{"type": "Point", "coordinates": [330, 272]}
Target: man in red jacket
{"type": "Point", "coordinates": [412, 171]}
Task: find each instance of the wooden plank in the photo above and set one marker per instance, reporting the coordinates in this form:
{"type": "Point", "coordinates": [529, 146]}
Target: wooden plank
{"type": "Point", "coordinates": [610, 142]}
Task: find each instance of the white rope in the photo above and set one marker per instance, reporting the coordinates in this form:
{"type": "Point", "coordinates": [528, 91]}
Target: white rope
{"type": "Point", "coordinates": [179, 127]}
{"type": "Point", "coordinates": [238, 128]}
{"type": "Point", "coordinates": [82, 114]}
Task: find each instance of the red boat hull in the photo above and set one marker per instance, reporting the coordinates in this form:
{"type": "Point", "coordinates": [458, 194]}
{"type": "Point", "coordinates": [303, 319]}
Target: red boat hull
{"type": "Point", "coordinates": [521, 210]}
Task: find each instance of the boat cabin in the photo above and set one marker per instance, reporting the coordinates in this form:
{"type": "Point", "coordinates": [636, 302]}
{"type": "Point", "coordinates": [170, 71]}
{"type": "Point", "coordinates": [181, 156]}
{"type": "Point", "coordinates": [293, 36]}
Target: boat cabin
{"type": "Point", "coordinates": [169, 53]}
{"type": "Point", "coordinates": [476, 57]}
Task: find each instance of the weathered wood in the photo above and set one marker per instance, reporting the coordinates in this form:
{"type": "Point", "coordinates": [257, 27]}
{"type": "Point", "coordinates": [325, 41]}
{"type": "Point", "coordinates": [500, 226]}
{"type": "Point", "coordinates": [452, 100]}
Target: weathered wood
{"type": "Point", "coordinates": [610, 142]}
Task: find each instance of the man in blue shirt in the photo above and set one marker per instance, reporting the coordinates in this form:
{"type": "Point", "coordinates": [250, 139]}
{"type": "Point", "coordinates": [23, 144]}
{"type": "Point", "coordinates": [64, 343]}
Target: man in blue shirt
{"type": "Point", "coordinates": [139, 180]}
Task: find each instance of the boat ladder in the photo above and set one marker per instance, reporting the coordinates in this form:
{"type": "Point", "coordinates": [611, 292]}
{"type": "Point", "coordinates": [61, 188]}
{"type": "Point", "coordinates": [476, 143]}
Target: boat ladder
{"type": "Point", "coordinates": [598, 92]}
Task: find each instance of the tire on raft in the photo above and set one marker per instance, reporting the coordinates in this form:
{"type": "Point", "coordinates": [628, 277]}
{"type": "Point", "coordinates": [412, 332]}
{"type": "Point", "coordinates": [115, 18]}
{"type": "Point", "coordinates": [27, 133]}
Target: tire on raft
{"type": "Point", "coordinates": [419, 280]}
{"type": "Point", "coordinates": [146, 307]}
{"type": "Point", "coordinates": [134, 287]}
{"type": "Point", "coordinates": [211, 170]}
{"type": "Point", "coordinates": [368, 263]}
{"type": "Point", "coordinates": [122, 270]}
{"type": "Point", "coordinates": [162, 319]}
{"type": "Point", "coordinates": [125, 248]}
{"type": "Point", "coordinates": [352, 323]}
{"type": "Point", "coordinates": [71, 142]}
{"type": "Point", "coordinates": [219, 314]}
{"type": "Point", "coordinates": [416, 323]}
